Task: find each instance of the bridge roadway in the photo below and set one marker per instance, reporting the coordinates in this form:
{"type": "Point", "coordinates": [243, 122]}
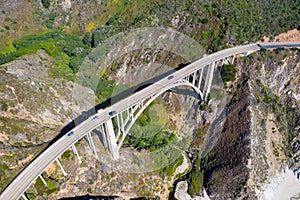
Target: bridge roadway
{"type": "Point", "coordinates": [19, 185]}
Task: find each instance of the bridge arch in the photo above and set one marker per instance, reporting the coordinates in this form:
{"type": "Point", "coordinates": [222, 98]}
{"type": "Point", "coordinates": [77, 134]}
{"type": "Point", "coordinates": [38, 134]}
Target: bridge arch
{"type": "Point", "coordinates": [150, 100]}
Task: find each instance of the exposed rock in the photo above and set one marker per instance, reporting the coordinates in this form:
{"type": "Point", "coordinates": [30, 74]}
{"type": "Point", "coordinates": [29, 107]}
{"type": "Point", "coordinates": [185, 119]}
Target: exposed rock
{"type": "Point", "coordinates": [35, 107]}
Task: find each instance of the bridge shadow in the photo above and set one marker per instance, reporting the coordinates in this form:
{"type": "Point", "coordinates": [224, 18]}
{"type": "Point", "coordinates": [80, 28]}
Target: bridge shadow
{"type": "Point", "coordinates": [124, 94]}
{"type": "Point", "coordinates": [88, 197]}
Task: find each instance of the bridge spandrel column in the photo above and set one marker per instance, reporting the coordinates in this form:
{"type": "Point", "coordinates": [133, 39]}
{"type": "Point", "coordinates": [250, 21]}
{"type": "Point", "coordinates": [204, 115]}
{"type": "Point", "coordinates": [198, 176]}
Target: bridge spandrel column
{"type": "Point", "coordinates": [92, 145]}
{"type": "Point", "coordinates": [43, 180]}
{"type": "Point", "coordinates": [208, 80]}
{"type": "Point", "coordinates": [76, 153]}
{"type": "Point", "coordinates": [24, 197]}
{"type": "Point", "coordinates": [111, 139]}
{"type": "Point", "coordinates": [61, 167]}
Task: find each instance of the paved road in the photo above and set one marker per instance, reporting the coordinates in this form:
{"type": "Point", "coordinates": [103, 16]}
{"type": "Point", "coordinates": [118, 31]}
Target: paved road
{"type": "Point", "coordinates": [31, 172]}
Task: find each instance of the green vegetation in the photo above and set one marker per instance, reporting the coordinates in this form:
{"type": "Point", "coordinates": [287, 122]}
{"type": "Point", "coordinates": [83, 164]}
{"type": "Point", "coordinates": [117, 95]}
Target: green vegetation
{"type": "Point", "coordinates": [204, 21]}
{"type": "Point", "coordinates": [153, 143]}
{"type": "Point", "coordinates": [41, 188]}
{"type": "Point", "coordinates": [199, 133]}
{"type": "Point", "coordinates": [196, 176]}
{"type": "Point", "coordinates": [228, 72]}
{"type": "Point", "coordinates": [3, 167]}
{"type": "Point", "coordinates": [236, 94]}
{"type": "Point", "coordinates": [148, 131]}
{"type": "Point", "coordinates": [30, 196]}
{"type": "Point", "coordinates": [247, 23]}
{"type": "Point", "coordinates": [203, 106]}
{"type": "Point", "coordinates": [144, 118]}
{"type": "Point", "coordinates": [66, 154]}
{"type": "Point", "coordinates": [3, 106]}
{"type": "Point", "coordinates": [49, 22]}
{"type": "Point", "coordinates": [68, 51]}
{"type": "Point", "coordinates": [6, 174]}
{"type": "Point", "coordinates": [105, 88]}
{"type": "Point", "coordinates": [46, 3]}
{"type": "Point", "coordinates": [170, 169]}
{"type": "Point", "coordinates": [51, 186]}
{"type": "Point", "coordinates": [195, 182]}
{"type": "Point", "coordinates": [100, 35]}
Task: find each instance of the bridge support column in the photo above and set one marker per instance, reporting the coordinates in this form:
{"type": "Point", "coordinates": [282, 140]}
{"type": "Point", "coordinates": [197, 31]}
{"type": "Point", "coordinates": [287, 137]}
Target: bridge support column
{"type": "Point", "coordinates": [208, 80]}
{"type": "Point", "coordinates": [194, 77]}
{"type": "Point", "coordinates": [111, 139]}
{"type": "Point", "coordinates": [24, 196]}
{"type": "Point", "coordinates": [76, 153]}
{"type": "Point", "coordinates": [104, 136]}
{"type": "Point", "coordinates": [43, 180]}
{"type": "Point", "coordinates": [61, 167]}
{"type": "Point", "coordinates": [200, 79]}
{"type": "Point", "coordinates": [233, 57]}
{"type": "Point", "coordinates": [92, 145]}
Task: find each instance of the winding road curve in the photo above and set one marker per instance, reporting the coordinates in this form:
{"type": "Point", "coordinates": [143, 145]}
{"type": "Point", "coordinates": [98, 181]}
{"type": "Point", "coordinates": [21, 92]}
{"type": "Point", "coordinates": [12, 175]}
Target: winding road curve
{"type": "Point", "coordinates": [19, 185]}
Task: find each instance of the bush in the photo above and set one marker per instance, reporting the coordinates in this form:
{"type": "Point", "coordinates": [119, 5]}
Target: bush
{"type": "Point", "coordinates": [46, 3]}
{"type": "Point", "coordinates": [204, 21]}
{"type": "Point", "coordinates": [157, 141]}
{"type": "Point", "coordinates": [4, 106]}
{"type": "Point", "coordinates": [144, 118]}
{"type": "Point", "coordinates": [203, 106]}
{"type": "Point", "coordinates": [196, 179]}
{"type": "Point", "coordinates": [228, 72]}
{"type": "Point", "coordinates": [104, 88]}
{"type": "Point", "coordinates": [170, 169]}
{"type": "Point", "coordinates": [66, 155]}
{"type": "Point", "coordinates": [101, 34]}
{"type": "Point", "coordinates": [68, 51]}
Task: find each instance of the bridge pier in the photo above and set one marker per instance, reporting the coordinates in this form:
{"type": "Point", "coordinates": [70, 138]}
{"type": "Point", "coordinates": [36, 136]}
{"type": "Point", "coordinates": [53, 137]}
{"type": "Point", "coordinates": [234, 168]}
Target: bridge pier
{"type": "Point", "coordinates": [233, 58]}
{"type": "Point", "coordinates": [43, 180]}
{"type": "Point", "coordinates": [92, 145]}
{"type": "Point", "coordinates": [208, 80]}
{"type": "Point", "coordinates": [111, 139]}
{"type": "Point", "coordinates": [24, 196]}
{"type": "Point", "coordinates": [76, 153]}
{"type": "Point", "coordinates": [200, 79]}
{"type": "Point", "coordinates": [61, 167]}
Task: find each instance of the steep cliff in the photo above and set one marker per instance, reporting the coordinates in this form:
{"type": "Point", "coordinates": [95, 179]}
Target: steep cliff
{"type": "Point", "coordinates": [260, 135]}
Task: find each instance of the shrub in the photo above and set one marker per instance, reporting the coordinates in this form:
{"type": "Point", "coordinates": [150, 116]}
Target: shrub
{"type": "Point", "coordinates": [195, 180]}
{"type": "Point", "coordinates": [228, 72]}
{"type": "Point", "coordinates": [204, 21]}
{"type": "Point", "coordinates": [170, 169]}
{"type": "Point", "coordinates": [46, 3]}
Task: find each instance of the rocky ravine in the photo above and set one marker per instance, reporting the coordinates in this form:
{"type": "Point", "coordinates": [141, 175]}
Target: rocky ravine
{"type": "Point", "coordinates": [261, 134]}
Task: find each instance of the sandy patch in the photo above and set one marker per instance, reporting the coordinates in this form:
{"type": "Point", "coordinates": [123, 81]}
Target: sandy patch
{"type": "Point", "coordinates": [50, 169]}
{"type": "Point", "coordinates": [3, 138]}
{"type": "Point", "coordinates": [26, 160]}
{"type": "Point", "coordinates": [274, 152]}
{"type": "Point", "coordinates": [282, 186]}
{"type": "Point", "coordinates": [183, 167]}
{"type": "Point", "coordinates": [290, 36]}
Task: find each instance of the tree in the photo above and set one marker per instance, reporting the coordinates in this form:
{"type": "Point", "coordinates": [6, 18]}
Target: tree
{"type": "Point", "coordinates": [204, 21]}
{"type": "Point", "coordinates": [46, 3]}
{"type": "Point", "coordinates": [87, 39]}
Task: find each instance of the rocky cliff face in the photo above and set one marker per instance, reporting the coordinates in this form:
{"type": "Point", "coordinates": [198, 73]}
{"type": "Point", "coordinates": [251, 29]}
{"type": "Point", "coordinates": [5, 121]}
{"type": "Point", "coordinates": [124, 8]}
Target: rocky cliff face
{"type": "Point", "coordinates": [226, 172]}
{"type": "Point", "coordinates": [34, 108]}
{"type": "Point", "coordinates": [261, 133]}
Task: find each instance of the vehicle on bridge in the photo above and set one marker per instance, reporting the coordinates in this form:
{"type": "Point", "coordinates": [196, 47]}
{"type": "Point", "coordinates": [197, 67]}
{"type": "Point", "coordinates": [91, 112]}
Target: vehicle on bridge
{"type": "Point", "coordinates": [95, 117]}
{"type": "Point", "coordinates": [170, 77]}
{"type": "Point", "coordinates": [112, 113]}
{"type": "Point", "coordinates": [70, 134]}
